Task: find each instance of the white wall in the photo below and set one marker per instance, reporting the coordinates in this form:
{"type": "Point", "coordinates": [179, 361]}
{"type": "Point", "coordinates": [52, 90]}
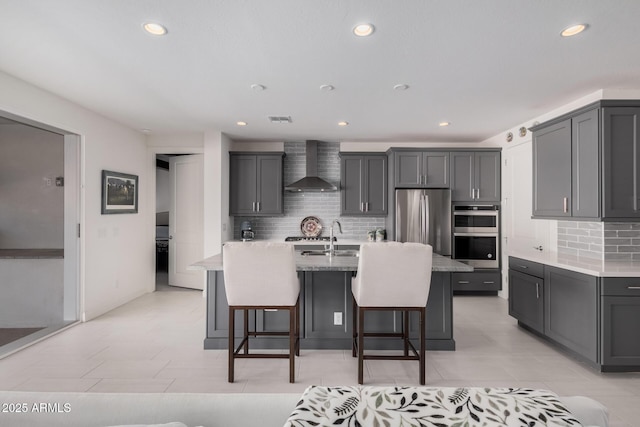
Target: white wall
{"type": "Point", "coordinates": [32, 210]}
{"type": "Point", "coordinates": [117, 259]}
{"type": "Point", "coordinates": [163, 197]}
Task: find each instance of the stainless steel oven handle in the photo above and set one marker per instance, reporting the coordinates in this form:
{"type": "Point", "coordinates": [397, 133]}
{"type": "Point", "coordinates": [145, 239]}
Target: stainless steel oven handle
{"type": "Point", "coordinates": [476, 234]}
{"type": "Point", "coordinates": [476, 213]}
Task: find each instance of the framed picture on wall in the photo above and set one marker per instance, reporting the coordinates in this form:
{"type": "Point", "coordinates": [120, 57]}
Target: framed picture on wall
{"type": "Point", "coordinates": [119, 193]}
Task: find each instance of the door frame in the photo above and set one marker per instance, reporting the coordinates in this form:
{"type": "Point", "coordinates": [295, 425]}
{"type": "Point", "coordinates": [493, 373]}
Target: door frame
{"type": "Point", "coordinates": [152, 152]}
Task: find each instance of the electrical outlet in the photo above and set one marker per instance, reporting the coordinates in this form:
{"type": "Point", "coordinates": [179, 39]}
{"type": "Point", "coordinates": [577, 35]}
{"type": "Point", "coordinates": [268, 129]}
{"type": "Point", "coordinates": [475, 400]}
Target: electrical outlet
{"type": "Point", "coordinates": [337, 318]}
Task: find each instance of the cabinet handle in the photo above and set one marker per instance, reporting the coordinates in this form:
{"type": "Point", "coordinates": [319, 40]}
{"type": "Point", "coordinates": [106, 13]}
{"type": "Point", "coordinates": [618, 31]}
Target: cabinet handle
{"type": "Point", "coordinates": [361, 207]}
{"type": "Point", "coordinates": [489, 282]}
{"type": "Point", "coordinates": [254, 207]}
{"type": "Point", "coordinates": [270, 309]}
{"type": "Point", "coordinates": [478, 193]}
{"type": "Point", "coordinates": [425, 179]}
{"type": "Point", "coordinates": [538, 290]}
{"type": "Point", "coordinates": [463, 282]}
{"type": "Point", "coordinates": [258, 206]}
{"type": "Point", "coordinates": [523, 266]}
{"type": "Point", "coordinates": [367, 206]}
{"type": "Point", "coordinates": [633, 287]}
{"type": "Point", "coordinates": [565, 205]}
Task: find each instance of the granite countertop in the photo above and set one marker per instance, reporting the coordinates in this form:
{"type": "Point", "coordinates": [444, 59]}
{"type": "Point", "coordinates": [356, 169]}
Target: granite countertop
{"type": "Point", "coordinates": [336, 263]}
{"type": "Point", "coordinates": [31, 253]}
{"type": "Point", "coordinates": [590, 266]}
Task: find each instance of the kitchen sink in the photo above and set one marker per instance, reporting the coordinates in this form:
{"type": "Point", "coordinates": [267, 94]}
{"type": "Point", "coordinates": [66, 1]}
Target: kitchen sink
{"type": "Point", "coordinates": [337, 252]}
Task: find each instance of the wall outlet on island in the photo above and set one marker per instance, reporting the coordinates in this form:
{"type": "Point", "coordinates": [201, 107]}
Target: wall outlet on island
{"type": "Point", "coordinates": [337, 318]}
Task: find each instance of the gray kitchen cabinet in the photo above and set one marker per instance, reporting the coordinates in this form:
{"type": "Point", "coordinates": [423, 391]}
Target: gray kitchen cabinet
{"type": "Point", "coordinates": [475, 176]}
{"type": "Point", "coordinates": [255, 184]}
{"type": "Point", "coordinates": [621, 162]}
{"type": "Point", "coordinates": [487, 280]}
{"type": "Point", "coordinates": [421, 169]}
{"type": "Point", "coordinates": [620, 320]}
{"type": "Point", "coordinates": [585, 173]}
{"type": "Point", "coordinates": [363, 181]}
{"type": "Point", "coordinates": [327, 293]}
{"type": "Point", "coordinates": [586, 163]}
{"type": "Point", "coordinates": [552, 170]}
{"type": "Point", "coordinates": [526, 293]}
{"type": "Point", "coordinates": [571, 302]}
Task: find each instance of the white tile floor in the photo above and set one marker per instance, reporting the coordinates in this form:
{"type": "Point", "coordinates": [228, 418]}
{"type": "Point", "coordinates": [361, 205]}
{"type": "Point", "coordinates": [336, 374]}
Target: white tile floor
{"type": "Point", "coordinates": [154, 344]}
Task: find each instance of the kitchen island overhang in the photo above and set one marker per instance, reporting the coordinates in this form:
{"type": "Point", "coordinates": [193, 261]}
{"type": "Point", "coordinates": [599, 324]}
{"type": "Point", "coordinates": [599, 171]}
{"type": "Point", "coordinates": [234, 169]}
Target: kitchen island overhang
{"type": "Point", "coordinates": [326, 307]}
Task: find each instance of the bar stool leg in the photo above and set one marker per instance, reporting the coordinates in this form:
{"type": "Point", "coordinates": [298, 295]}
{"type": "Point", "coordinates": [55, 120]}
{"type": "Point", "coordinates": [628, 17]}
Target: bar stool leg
{"type": "Point", "coordinates": [354, 327]}
{"type": "Point", "coordinates": [231, 342]}
{"type": "Point", "coordinates": [405, 332]}
{"type": "Point", "coordinates": [422, 359]}
{"type": "Point", "coordinates": [360, 345]}
{"type": "Point", "coordinates": [246, 330]}
{"type": "Point", "coordinates": [292, 343]}
{"type": "Point", "coordinates": [298, 327]}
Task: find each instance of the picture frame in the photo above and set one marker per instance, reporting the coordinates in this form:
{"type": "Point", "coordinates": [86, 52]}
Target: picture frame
{"type": "Point", "coordinates": [119, 193]}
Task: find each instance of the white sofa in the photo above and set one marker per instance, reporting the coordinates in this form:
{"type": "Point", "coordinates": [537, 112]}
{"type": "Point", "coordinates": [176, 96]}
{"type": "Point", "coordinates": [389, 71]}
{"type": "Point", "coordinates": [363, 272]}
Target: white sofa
{"type": "Point", "coordinates": [60, 409]}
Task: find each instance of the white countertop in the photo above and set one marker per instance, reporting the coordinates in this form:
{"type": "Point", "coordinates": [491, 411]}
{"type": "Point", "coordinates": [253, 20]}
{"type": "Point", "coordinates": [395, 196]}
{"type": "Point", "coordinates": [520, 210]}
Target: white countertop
{"type": "Point", "coordinates": [590, 266]}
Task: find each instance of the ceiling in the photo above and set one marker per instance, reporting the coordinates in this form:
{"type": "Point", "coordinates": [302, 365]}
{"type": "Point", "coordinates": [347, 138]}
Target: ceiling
{"type": "Point", "coordinates": [484, 66]}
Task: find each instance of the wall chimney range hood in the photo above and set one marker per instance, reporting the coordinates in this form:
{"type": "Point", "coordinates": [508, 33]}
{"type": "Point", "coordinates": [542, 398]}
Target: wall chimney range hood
{"type": "Point", "coordinates": [311, 182]}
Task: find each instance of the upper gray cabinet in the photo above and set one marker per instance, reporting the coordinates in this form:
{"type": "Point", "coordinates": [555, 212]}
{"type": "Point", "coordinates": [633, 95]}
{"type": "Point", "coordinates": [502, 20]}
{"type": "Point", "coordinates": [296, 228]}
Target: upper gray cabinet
{"type": "Point", "coordinates": [255, 187]}
{"type": "Point", "coordinates": [421, 169]}
{"type": "Point", "coordinates": [475, 176]}
{"type": "Point", "coordinates": [363, 182]}
{"type": "Point", "coordinates": [586, 163]}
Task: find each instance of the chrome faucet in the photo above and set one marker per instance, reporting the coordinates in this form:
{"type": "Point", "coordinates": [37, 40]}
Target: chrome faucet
{"type": "Point", "coordinates": [332, 249]}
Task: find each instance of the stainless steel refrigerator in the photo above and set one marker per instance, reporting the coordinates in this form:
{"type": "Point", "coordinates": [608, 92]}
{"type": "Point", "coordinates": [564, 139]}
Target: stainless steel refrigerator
{"type": "Point", "coordinates": [424, 216]}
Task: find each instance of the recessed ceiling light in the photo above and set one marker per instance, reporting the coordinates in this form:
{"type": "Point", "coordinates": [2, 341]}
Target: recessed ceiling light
{"type": "Point", "coordinates": [257, 87]}
{"type": "Point", "coordinates": [326, 88]}
{"type": "Point", "coordinates": [241, 123]}
{"type": "Point", "coordinates": [343, 123]}
{"type": "Point", "coordinates": [444, 124]}
{"type": "Point", "coordinates": [401, 87]}
{"type": "Point", "coordinates": [363, 30]}
{"type": "Point", "coordinates": [155, 29]}
{"type": "Point", "coordinates": [573, 30]}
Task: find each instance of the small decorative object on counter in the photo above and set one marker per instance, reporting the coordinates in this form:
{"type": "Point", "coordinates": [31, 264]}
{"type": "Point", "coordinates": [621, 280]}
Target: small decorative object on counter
{"type": "Point", "coordinates": [380, 235]}
{"type": "Point", "coordinates": [371, 235]}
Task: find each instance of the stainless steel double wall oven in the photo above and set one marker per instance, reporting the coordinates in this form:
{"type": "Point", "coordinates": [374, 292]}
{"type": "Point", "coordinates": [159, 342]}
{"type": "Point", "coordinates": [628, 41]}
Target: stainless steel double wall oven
{"type": "Point", "coordinates": [476, 235]}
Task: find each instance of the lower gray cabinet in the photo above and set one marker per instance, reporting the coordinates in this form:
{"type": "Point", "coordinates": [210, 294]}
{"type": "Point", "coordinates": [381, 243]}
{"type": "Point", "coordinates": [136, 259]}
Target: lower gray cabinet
{"type": "Point", "coordinates": [526, 301]}
{"type": "Point", "coordinates": [571, 310]}
{"type": "Point", "coordinates": [620, 322]}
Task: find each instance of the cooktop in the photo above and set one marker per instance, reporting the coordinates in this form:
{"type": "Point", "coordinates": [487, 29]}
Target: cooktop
{"type": "Point", "coordinates": [308, 239]}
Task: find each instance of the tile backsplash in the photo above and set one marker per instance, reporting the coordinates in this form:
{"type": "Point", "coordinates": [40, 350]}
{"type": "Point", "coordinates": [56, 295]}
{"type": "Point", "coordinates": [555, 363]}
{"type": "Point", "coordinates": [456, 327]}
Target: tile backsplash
{"type": "Point", "coordinates": [609, 241]}
{"type": "Point", "coordinates": [297, 206]}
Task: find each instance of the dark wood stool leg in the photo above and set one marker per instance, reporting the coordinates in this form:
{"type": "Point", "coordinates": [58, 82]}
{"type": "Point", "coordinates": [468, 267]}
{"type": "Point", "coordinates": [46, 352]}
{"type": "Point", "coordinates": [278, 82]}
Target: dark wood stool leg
{"type": "Point", "coordinates": [246, 330]}
{"type": "Point", "coordinates": [405, 332]}
{"type": "Point", "coordinates": [354, 327]}
{"type": "Point", "coordinates": [292, 343]}
{"type": "Point", "coordinates": [422, 359]}
{"type": "Point", "coordinates": [298, 327]}
{"type": "Point", "coordinates": [231, 342]}
{"type": "Point", "coordinates": [360, 345]}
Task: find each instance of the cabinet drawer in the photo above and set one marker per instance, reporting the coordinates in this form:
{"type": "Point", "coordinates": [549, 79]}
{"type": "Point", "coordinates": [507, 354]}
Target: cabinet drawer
{"type": "Point", "coordinates": [477, 281]}
{"type": "Point", "coordinates": [621, 286]}
{"type": "Point", "coordinates": [526, 267]}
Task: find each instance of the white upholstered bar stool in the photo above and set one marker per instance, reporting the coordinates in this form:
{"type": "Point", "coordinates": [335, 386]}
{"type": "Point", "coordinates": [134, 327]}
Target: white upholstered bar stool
{"type": "Point", "coordinates": [259, 276]}
{"type": "Point", "coordinates": [391, 276]}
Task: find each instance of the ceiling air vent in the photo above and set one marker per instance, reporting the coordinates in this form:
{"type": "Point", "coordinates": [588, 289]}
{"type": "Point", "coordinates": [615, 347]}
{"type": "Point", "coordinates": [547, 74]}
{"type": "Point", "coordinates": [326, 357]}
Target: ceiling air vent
{"type": "Point", "coordinates": [280, 119]}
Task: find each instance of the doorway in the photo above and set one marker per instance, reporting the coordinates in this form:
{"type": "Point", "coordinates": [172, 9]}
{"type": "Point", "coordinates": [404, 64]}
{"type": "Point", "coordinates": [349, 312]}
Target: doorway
{"type": "Point", "coordinates": [39, 244]}
{"type": "Point", "coordinates": [179, 220]}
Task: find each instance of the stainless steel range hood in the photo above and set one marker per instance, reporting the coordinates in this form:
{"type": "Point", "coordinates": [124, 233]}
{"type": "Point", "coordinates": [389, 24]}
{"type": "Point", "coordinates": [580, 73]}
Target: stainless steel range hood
{"type": "Point", "coordinates": [311, 182]}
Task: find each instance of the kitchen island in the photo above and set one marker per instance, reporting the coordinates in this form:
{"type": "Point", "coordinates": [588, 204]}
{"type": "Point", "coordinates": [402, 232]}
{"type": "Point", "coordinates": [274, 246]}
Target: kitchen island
{"type": "Point", "coordinates": [326, 307]}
